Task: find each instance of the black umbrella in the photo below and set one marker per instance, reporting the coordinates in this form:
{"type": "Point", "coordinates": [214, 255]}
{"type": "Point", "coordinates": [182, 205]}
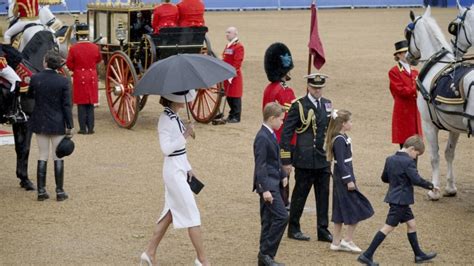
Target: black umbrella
{"type": "Point", "coordinates": [183, 72]}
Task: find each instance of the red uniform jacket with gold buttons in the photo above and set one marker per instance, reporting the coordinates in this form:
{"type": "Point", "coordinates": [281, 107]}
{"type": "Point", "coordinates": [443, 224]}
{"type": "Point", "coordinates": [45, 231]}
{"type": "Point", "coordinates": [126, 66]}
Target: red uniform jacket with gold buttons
{"type": "Point", "coordinates": [191, 13]}
{"type": "Point", "coordinates": [405, 118]}
{"type": "Point", "coordinates": [234, 55]}
{"type": "Point", "coordinates": [82, 60]}
{"type": "Point", "coordinates": [26, 9]}
{"type": "Point", "coordinates": [165, 15]}
{"type": "Point", "coordinates": [284, 95]}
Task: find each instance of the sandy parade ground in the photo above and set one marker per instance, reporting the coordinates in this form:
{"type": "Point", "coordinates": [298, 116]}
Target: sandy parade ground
{"type": "Point", "coordinates": [116, 188]}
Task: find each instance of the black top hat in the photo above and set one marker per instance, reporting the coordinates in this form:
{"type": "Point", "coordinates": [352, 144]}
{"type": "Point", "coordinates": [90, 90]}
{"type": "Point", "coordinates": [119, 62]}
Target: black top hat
{"type": "Point", "coordinates": [316, 80]}
{"type": "Point", "coordinates": [278, 61]}
{"type": "Point", "coordinates": [65, 147]}
{"type": "Point", "coordinates": [82, 29]}
{"type": "Point", "coordinates": [401, 46]}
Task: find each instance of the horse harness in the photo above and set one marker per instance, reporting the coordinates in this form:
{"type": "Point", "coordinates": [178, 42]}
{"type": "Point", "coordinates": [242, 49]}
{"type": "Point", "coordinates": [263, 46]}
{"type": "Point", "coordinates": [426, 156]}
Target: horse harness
{"type": "Point", "coordinates": [455, 27]}
{"type": "Point", "coordinates": [432, 101]}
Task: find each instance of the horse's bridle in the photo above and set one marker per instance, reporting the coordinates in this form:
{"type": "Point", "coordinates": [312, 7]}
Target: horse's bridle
{"type": "Point", "coordinates": [455, 28]}
{"type": "Point", "coordinates": [409, 33]}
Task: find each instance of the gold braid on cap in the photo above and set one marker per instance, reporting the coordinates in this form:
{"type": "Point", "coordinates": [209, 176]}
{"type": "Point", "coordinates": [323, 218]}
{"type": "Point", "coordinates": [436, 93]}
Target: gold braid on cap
{"type": "Point", "coordinates": [49, 2]}
{"type": "Point", "coordinates": [306, 122]}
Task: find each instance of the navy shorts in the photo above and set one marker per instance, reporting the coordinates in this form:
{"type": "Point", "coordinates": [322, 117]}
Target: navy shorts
{"type": "Point", "coordinates": [399, 214]}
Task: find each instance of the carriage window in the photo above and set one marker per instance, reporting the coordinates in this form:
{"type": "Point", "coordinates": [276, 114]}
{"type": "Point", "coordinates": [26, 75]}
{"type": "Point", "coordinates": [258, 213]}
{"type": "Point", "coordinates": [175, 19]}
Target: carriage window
{"type": "Point", "coordinates": [90, 16]}
{"type": "Point", "coordinates": [101, 26]}
{"type": "Point", "coordinates": [114, 20]}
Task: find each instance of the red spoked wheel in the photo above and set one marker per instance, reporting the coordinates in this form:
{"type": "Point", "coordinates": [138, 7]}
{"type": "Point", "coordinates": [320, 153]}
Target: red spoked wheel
{"type": "Point", "coordinates": [207, 102]}
{"type": "Point", "coordinates": [120, 81]}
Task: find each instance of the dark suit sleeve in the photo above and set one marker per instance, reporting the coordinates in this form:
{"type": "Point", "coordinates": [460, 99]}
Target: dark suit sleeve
{"type": "Point", "coordinates": [32, 88]}
{"type": "Point", "coordinates": [289, 127]}
{"type": "Point", "coordinates": [67, 105]}
{"type": "Point", "coordinates": [415, 178]}
{"type": "Point", "coordinates": [261, 174]}
{"type": "Point", "coordinates": [385, 177]}
{"type": "Point", "coordinates": [339, 148]}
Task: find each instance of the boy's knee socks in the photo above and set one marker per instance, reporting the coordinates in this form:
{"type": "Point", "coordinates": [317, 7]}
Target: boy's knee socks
{"type": "Point", "coordinates": [378, 239]}
{"type": "Point", "coordinates": [414, 244]}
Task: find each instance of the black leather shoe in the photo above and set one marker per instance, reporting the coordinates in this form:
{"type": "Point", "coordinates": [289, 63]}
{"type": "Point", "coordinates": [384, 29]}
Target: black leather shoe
{"type": "Point", "coordinates": [91, 132]}
{"type": "Point", "coordinates": [324, 235]}
{"type": "Point", "coordinates": [233, 120]}
{"type": "Point", "coordinates": [43, 196]}
{"type": "Point", "coordinates": [27, 185]}
{"type": "Point", "coordinates": [219, 116]}
{"type": "Point", "coordinates": [298, 236]}
{"type": "Point", "coordinates": [83, 132]}
{"type": "Point", "coordinates": [364, 260]}
{"type": "Point", "coordinates": [265, 260]}
{"type": "Point", "coordinates": [425, 257]}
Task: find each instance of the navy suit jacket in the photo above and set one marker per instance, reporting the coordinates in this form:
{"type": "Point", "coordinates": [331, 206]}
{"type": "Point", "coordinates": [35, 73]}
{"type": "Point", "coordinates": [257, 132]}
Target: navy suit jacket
{"type": "Point", "coordinates": [401, 173]}
{"type": "Point", "coordinates": [268, 168]}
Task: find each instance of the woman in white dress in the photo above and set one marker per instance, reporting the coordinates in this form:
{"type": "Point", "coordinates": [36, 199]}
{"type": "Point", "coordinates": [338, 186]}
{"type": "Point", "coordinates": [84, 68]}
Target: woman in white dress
{"type": "Point", "coordinates": [180, 206]}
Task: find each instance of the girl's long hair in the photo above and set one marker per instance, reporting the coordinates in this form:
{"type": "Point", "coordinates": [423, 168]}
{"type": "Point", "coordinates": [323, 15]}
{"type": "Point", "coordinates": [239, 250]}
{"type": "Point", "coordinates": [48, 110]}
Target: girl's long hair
{"type": "Point", "coordinates": [335, 126]}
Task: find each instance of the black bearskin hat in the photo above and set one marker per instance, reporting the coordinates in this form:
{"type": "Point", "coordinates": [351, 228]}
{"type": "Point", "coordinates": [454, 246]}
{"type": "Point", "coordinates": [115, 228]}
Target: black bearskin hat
{"type": "Point", "coordinates": [278, 61]}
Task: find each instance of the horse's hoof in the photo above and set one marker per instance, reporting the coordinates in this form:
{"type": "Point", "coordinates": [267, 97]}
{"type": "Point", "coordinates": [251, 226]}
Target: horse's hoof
{"type": "Point", "coordinates": [433, 196]}
{"type": "Point", "coordinates": [449, 194]}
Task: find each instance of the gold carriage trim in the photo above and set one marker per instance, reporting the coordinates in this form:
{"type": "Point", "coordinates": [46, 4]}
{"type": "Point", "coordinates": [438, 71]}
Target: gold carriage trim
{"type": "Point", "coordinates": [49, 2]}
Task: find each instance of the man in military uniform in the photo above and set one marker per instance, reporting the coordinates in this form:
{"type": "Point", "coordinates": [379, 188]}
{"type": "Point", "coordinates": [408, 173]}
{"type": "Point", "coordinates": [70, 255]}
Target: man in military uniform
{"type": "Point", "coordinates": [309, 118]}
{"type": "Point", "coordinates": [27, 12]}
{"type": "Point", "coordinates": [82, 60]}
{"type": "Point", "coordinates": [278, 63]}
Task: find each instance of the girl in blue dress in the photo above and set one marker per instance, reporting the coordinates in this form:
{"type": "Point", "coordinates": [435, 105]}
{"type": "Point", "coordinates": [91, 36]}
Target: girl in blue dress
{"type": "Point", "coordinates": [349, 205]}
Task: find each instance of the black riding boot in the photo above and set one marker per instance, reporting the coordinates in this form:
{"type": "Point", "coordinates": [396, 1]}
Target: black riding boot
{"type": "Point", "coordinates": [59, 177]}
{"type": "Point", "coordinates": [41, 176]}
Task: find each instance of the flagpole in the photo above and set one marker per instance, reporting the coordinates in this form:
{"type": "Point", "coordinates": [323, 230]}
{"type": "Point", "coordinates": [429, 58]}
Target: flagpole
{"type": "Point", "coordinates": [309, 62]}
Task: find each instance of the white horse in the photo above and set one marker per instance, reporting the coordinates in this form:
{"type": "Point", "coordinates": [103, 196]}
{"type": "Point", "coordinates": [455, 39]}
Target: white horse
{"type": "Point", "coordinates": [462, 28]}
{"type": "Point", "coordinates": [427, 44]}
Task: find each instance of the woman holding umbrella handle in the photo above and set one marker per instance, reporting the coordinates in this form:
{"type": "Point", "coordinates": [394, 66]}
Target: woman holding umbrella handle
{"type": "Point", "coordinates": [180, 206]}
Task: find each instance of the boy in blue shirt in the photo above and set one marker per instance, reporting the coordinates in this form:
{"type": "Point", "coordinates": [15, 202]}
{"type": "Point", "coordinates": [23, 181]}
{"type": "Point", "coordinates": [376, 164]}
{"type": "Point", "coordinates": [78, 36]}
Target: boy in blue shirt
{"type": "Point", "coordinates": [401, 174]}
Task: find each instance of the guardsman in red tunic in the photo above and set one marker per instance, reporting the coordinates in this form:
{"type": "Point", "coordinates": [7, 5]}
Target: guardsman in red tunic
{"type": "Point", "coordinates": [82, 60]}
{"type": "Point", "coordinates": [27, 12]}
{"type": "Point", "coordinates": [191, 13]}
{"type": "Point", "coordinates": [278, 63]}
{"type": "Point", "coordinates": [234, 55]}
{"type": "Point", "coordinates": [406, 120]}
{"type": "Point", "coordinates": [165, 15]}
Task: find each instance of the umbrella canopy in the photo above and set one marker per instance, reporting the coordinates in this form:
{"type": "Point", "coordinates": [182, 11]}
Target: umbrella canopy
{"type": "Point", "coordinates": [183, 72]}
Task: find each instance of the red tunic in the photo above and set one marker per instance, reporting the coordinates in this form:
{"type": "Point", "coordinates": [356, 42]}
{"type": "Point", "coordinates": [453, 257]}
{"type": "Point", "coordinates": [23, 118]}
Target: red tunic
{"type": "Point", "coordinates": [234, 55]}
{"type": "Point", "coordinates": [284, 95]}
{"type": "Point", "coordinates": [191, 13]}
{"type": "Point", "coordinates": [405, 118]}
{"type": "Point", "coordinates": [27, 8]}
{"type": "Point", "coordinates": [165, 15]}
{"type": "Point", "coordinates": [82, 60]}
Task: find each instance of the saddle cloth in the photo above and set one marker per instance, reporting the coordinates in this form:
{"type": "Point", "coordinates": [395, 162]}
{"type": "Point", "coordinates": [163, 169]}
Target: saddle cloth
{"type": "Point", "coordinates": [448, 86]}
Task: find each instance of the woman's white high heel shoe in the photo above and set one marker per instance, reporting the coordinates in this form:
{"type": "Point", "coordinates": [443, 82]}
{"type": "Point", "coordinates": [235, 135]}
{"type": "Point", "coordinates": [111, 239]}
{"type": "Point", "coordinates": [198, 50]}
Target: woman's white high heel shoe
{"type": "Point", "coordinates": [197, 262]}
{"type": "Point", "coordinates": [145, 260]}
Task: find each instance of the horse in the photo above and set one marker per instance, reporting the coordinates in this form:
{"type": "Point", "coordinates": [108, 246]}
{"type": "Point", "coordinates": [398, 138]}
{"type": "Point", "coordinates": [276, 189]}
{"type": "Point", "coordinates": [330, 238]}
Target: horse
{"type": "Point", "coordinates": [462, 28]}
{"type": "Point", "coordinates": [21, 131]}
{"type": "Point", "coordinates": [427, 44]}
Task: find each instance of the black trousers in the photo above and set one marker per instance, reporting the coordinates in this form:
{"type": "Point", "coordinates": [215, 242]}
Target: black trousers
{"type": "Point", "coordinates": [22, 134]}
{"type": "Point", "coordinates": [305, 179]}
{"type": "Point", "coordinates": [274, 219]}
{"type": "Point", "coordinates": [235, 105]}
{"type": "Point", "coordinates": [85, 115]}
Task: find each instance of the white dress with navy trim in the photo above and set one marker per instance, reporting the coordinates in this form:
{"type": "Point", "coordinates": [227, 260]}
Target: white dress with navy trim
{"type": "Point", "coordinates": [179, 198]}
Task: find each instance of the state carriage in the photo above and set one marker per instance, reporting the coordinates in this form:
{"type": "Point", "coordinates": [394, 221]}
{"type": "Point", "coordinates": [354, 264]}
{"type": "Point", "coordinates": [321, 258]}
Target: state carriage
{"type": "Point", "coordinates": [128, 49]}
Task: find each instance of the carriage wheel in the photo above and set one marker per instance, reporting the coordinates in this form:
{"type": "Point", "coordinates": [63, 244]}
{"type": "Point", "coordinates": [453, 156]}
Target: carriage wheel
{"type": "Point", "coordinates": [147, 57]}
{"type": "Point", "coordinates": [120, 81]}
{"type": "Point", "coordinates": [208, 100]}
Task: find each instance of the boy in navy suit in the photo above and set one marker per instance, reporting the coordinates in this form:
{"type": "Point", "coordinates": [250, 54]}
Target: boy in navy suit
{"type": "Point", "coordinates": [401, 174]}
{"type": "Point", "coordinates": [269, 179]}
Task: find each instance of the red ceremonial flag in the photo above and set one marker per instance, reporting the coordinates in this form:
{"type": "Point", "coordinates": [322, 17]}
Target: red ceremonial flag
{"type": "Point", "coordinates": [315, 45]}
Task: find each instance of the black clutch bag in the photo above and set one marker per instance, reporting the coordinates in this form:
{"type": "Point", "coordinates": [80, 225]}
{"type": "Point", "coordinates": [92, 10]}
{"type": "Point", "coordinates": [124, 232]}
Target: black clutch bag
{"type": "Point", "coordinates": [195, 185]}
